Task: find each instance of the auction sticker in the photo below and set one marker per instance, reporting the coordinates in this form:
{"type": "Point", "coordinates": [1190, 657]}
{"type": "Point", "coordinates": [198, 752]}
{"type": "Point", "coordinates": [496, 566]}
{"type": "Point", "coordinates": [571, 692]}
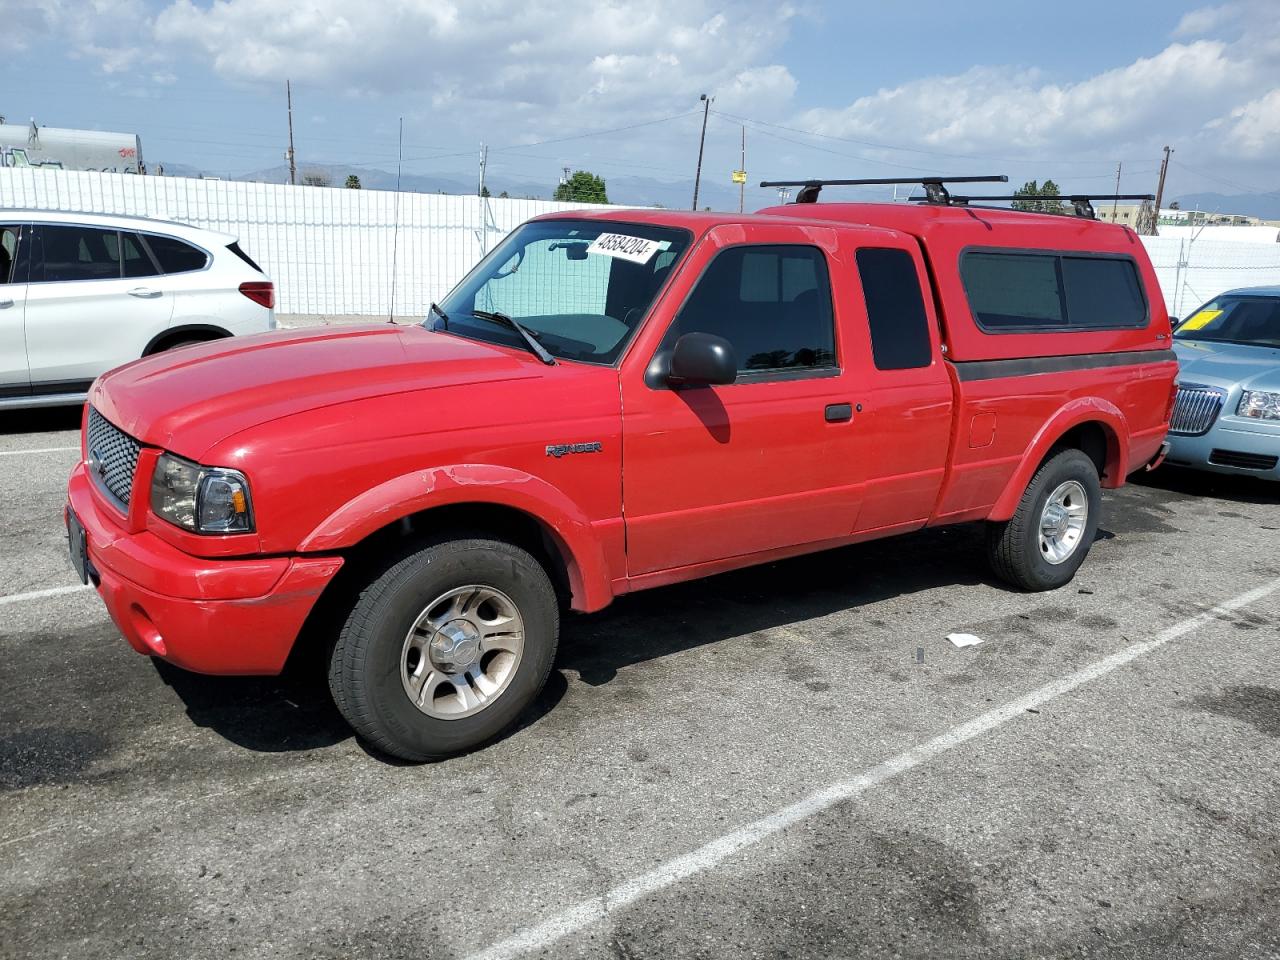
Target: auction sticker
{"type": "Point", "coordinates": [635, 249]}
{"type": "Point", "coordinates": [1201, 320]}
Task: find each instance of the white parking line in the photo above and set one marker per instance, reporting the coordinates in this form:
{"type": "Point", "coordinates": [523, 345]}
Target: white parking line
{"type": "Point", "coordinates": [15, 453]}
{"type": "Point", "coordinates": [587, 912]}
{"type": "Point", "coordinates": [41, 594]}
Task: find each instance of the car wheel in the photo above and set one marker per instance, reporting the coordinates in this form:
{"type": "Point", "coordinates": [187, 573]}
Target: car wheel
{"type": "Point", "coordinates": [1049, 535]}
{"type": "Point", "coordinates": [445, 648]}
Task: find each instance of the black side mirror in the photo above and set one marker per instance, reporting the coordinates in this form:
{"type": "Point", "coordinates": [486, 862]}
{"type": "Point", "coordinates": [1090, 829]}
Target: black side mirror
{"type": "Point", "coordinates": [702, 359]}
{"type": "Point", "coordinates": [1173, 322]}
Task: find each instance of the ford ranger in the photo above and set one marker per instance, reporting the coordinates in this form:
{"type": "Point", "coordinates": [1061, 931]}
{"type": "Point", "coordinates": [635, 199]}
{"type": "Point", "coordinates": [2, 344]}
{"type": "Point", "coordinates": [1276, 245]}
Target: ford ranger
{"type": "Point", "coordinates": [613, 401]}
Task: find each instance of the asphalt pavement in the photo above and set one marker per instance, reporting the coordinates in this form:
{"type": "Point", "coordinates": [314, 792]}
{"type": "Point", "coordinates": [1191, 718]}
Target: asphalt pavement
{"type": "Point", "coordinates": [790, 761]}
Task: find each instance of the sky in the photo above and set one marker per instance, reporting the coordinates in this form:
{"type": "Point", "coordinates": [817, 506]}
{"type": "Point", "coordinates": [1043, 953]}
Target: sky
{"type": "Point", "coordinates": [848, 89]}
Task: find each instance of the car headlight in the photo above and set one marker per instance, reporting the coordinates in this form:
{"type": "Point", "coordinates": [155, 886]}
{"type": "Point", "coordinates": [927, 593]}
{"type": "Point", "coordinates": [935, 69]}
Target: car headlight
{"type": "Point", "coordinates": [1259, 404]}
{"type": "Point", "coordinates": [201, 499]}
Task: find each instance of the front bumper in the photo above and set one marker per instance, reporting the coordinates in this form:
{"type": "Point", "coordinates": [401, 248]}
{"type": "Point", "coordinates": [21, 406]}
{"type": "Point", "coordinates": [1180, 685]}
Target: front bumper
{"type": "Point", "coordinates": [207, 615]}
{"type": "Point", "coordinates": [1231, 436]}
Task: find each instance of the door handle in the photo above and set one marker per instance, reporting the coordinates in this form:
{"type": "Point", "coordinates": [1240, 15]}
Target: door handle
{"type": "Point", "coordinates": [144, 292]}
{"type": "Point", "coordinates": [839, 412]}
{"type": "Point", "coordinates": [5, 303]}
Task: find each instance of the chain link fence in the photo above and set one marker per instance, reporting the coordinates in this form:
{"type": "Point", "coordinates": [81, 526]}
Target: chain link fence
{"type": "Point", "coordinates": [1193, 271]}
{"type": "Point", "coordinates": [330, 251]}
{"type": "Point", "coordinates": [368, 252]}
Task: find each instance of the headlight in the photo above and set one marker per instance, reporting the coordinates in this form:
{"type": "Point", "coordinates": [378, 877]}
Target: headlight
{"type": "Point", "coordinates": [1259, 405]}
{"type": "Point", "coordinates": [201, 499]}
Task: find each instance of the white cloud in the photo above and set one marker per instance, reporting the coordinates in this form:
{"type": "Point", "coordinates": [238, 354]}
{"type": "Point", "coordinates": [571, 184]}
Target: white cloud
{"type": "Point", "coordinates": [1202, 21]}
{"type": "Point", "coordinates": [1254, 128]}
{"type": "Point", "coordinates": [1006, 110]}
{"type": "Point", "coordinates": [1217, 100]}
{"type": "Point", "coordinates": [503, 56]}
{"type": "Point", "coordinates": [110, 32]}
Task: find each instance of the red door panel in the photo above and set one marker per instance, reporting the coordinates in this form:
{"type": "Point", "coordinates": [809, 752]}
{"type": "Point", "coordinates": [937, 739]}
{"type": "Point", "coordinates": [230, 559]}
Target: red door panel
{"type": "Point", "coordinates": [711, 473]}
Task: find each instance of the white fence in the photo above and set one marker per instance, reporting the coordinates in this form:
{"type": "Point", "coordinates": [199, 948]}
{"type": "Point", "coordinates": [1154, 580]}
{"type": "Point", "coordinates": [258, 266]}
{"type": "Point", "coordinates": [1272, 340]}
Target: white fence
{"type": "Point", "coordinates": [330, 250]}
{"type": "Point", "coordinates": [1193, 271]}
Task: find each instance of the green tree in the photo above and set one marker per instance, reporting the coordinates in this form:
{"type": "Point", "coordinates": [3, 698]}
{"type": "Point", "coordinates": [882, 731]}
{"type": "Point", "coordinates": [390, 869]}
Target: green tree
{"type": "Point", "coordinates": [582, 187]}
{"type": "Point", "coordinates": [484, 192]}
{"type": "Point", "coordinates": [504, 195]}
{"type": "Point", "coordinates": [1033, 189]}
{"type": "Point", "coordinates": [353, 182]}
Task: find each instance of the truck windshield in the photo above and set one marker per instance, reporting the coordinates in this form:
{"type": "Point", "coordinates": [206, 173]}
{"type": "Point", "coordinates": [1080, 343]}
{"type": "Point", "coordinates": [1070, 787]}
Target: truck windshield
{"type": "Point", "coordinates": [1254, 321]}
{"type": "Point", "coordinates": [581, 287]}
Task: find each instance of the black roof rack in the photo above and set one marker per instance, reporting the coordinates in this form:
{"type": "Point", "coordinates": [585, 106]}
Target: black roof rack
{"type": "Point", "coordinates": [934, 187]}
{"type": "Point", "coordinates": [1082, 203]}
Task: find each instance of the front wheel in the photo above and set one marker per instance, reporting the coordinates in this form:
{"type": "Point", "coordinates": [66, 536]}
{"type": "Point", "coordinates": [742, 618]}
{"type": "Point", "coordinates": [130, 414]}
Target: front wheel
{"type": "Point", "coordinates": [445, 648]}
{"type": "Point", "coordinates": [1043, 544]}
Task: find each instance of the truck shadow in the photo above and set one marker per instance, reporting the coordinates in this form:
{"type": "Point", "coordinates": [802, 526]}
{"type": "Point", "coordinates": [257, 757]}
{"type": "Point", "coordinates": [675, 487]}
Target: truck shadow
{"type": "Point", "coordinates": [657, 623]}
{"type": "Point", "coordinates": [294, 712]}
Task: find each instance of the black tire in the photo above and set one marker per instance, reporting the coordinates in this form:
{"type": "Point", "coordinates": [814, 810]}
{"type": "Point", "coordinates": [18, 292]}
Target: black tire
{"type": "Point", "coordinates": [1014, 546]}
{"type": "Point", "coordinates": [365, 667]}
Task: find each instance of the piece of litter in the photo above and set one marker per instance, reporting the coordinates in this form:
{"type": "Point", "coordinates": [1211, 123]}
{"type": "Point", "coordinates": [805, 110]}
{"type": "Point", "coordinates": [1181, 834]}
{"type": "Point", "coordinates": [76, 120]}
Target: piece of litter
{"type": "Point", "coordinates": [963, 639]}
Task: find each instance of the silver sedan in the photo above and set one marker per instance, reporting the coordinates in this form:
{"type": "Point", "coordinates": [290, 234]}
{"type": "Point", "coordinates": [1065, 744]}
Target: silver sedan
{"type": "Point", "coordinates": [1227, 414]}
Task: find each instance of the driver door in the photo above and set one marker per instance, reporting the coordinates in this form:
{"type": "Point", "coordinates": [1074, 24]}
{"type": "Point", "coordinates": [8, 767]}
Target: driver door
{"type": "Point", "coordinates": [771, 461]}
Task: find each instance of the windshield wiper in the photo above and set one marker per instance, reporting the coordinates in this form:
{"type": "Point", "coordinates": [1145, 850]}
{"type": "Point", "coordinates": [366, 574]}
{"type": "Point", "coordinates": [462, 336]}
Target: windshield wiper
{"type": "Point", "coordinates": [502, 319]}
{"type": "Point", "coordinates": [444, 317]}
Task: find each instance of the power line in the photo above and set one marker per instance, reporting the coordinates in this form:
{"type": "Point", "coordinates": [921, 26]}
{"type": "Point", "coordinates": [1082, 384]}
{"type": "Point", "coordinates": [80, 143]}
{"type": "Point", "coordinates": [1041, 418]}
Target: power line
{"type": "Point", "coordinates": [1225, 181]}
{"type": "Point", "coordinates": [889, 146]}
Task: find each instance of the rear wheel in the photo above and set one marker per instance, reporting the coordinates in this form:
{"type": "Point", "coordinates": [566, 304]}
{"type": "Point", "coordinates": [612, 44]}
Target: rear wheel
{"type": "Point", "coordinates": [445, 648]}
{"type": "Point", "coordinates": [1049, 535]}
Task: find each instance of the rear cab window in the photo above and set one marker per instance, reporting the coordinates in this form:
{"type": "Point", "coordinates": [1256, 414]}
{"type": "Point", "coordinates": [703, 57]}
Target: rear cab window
{"type": "Point", "coordinates": [895, 309]}
{"type": "Point", "coordinates": [1051, 291]}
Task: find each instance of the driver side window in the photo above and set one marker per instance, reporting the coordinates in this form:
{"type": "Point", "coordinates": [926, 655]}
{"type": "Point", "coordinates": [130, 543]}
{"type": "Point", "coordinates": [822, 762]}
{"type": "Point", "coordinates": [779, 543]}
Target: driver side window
{"type": "Point", "coordinates": [771, 303]}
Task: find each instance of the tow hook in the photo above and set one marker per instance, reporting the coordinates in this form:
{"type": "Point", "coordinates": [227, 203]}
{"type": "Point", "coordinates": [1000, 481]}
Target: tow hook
{"type": "Point", "coordinates": [1159, 457]}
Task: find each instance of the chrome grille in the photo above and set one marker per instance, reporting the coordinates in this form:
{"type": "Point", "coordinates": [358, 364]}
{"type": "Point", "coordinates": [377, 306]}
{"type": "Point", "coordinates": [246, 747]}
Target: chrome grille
{"type": "Point", "coordinates": [1196, 408]}
{"type": "Point", "coordinates": [113, 456]}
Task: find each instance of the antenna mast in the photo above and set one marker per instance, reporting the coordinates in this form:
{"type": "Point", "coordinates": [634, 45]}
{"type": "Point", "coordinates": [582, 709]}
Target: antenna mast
{"type": "Point", "coordinates": [293, 170]}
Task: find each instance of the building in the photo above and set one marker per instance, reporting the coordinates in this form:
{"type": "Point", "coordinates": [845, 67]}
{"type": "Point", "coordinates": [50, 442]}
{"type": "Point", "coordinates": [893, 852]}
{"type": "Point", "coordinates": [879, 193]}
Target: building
{"type": "Point", "coordinates": [1127, 213]}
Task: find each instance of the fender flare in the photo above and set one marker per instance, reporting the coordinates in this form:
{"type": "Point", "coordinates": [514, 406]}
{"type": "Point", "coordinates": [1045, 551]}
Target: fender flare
{"type": "Point", "coordinates": [471, 483]}
{"type": "Point", "coordinates": [1073, 414]}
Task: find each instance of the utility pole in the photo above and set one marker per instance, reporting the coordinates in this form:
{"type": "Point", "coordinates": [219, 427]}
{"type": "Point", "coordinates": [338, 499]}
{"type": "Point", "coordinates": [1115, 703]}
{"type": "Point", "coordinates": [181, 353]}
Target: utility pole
{"type": "Point", "coordinates": [293, 169]}
{"type": "Point", "coordinates": [1119, 164]}
{"type": "Point", "coordinates": [742, 184]}
{"type": "Point", "coordinates": [484, 158]}
{"type": "Point", "coordinates": [702, 142]}
{"type": "Point", "coordinates": [1164, 168]}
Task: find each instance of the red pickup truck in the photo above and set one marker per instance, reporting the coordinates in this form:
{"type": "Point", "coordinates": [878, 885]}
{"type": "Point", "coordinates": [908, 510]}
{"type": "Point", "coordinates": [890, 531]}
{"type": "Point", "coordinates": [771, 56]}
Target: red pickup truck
{"type": "Point", "coordinates": [613, 401]}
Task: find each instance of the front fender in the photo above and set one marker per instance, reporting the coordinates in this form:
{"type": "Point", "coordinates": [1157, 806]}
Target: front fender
{"type": "Point", "coordinates": [474, 483]}
{"type": "Point", "coordinates": [1073, 414]}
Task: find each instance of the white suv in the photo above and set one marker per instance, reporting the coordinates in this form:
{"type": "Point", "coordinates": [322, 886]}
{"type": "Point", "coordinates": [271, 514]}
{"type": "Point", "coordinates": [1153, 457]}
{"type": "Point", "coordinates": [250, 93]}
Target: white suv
{"type": "Point", "coordinates": [81, 293]}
